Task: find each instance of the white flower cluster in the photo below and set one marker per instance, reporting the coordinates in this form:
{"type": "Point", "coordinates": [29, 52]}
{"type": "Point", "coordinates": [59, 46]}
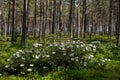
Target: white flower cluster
{"type": "Point", "coordinates": [88, 57]}
{"type": "Point", "coordinates": [72, 51]}
{"type": "Point", "coordinates": [96, 42]}
{"type": "Point", "coordinates": [0, 74]}
{"type": "Point", "coordinates": [37, 45]}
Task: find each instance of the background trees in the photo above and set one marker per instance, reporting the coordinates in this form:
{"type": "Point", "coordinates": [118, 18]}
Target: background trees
{"type": "Point", "coordinates": [78, 18]}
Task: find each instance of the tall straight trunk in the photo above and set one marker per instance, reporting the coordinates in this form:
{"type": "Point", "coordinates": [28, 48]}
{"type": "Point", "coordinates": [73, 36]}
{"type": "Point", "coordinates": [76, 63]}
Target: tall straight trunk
{"type": "Point", "coordinates": [9, 14]}
{"type": "Point", "coordinates": [84, 18]}
{"type": "Point", "coordinates": [110, 20]}
{"type": "Point", "coordinates": [78, 19]}
{"type": "Point", "coordinates": [40, 26]}
{"type": "Point", "coordinates": [46, 16]}
{"type": "Point", "coordinates": [5, 25]}
{"type": "Point", "coordinates": [2, 20]}
{"type": "Point", "coordinates": [70, 20]}
{"type": "Point", "coordinates": [119, 24]}
{"type": "Point", "coordinates": [35, 15]}
{"type": "Point", "coordinates": [13, 21]}
{"type": "Point", "coordinates": [73, 18]}
{"type": "Point", "coordinates": [60, 18]}
{"type": "Point", "coordinates": [91, 27]}
{"type": "Point", "coordinates": [43, 20]}
{"type": "Point", "coordinates": [24, 26]}
{"type": "Point", "coordinates": [54, 16]}
{"type": "Point", "coordinates": [28, 19]}
{"type": "Point", "coordinates": [50, 17]}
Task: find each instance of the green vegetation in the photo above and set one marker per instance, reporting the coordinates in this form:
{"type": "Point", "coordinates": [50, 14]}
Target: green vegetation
{"type": "Point", "coordinates": [65, 60]}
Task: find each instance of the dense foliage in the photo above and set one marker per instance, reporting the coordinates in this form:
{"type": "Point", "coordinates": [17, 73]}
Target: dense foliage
{"type": "Point", "coordinates": [66, 55]}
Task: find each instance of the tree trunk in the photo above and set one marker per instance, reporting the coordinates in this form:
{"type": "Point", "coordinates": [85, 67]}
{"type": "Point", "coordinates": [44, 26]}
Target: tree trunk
{"type": "Point", "coordinates": [35, 15]}
{"type": "Point", "coordinates": [9, 14]}
{"type": "Point", "coordinates": [60, 18]}
{"type": "Point", "coordinates": [54, 16]}
{"type": "Point", "coordinates": [70, 20]}
{"type": "Point", "coordinates": [84, 18]}
{"type": "Point", "coordinates": [119, 24]}
{"type": "Point", "coordinates": [110, 20]}
{"type": "Point", "coordinates": [13, 21]}
{"type": "Point", "coordinates": [24, 26]}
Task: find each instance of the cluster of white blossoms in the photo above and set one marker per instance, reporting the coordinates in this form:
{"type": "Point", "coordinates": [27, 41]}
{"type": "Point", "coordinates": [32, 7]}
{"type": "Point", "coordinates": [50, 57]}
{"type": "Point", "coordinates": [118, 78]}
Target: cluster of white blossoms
{"type": "Point", "coordinates": [88, 57]}
{"type": "Point", "coordinates": [37, 45]}
{"type": "Point", "coordinates": [22, 65]}
{"type": "Point", "coordinates": [74, 51]}
{"type": "Point", "coordinates": [0, 74]}
{"type": "Point", "coordinates": [29, 69]}
{"type": "Point", "coordinates": [96, 42]}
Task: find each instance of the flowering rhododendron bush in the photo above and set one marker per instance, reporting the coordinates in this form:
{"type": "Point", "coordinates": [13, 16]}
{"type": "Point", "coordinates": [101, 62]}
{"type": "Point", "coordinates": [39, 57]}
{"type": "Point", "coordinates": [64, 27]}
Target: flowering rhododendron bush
{"type": "Point", "coordinates": [46, 57]}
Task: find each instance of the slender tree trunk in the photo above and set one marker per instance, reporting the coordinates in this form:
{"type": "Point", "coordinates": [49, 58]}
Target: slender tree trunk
{"type": "Point", "coordinates": [84, 18]}
{"type": "Point", "coordinates": [13, 21]}
{"type": "Point", "coordinates": [54, 16]}
{"type": "Point", "coordinates": [60, 18]}
{"type": "Point", "coordinates": [119, 24]}
{"type": "Point", "coordinates": [24, 26]}
{"type": "Point", "coordinates": [9, 14]}
{"type": "Point", "coordinates": [110, 20]}
{"type": "Point", "coordinates": [78, 19]}
{"type": "Point", "coordinates": [70, 19]}
{"type": "Point", "coordinates": [40, 26]}
{"type": "Point", "coordinates": [35, 15]}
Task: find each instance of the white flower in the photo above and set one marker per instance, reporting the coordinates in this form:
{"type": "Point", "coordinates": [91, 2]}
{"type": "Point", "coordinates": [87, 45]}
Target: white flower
{"type": "Point", "coordinates": [71, 46]}
{"type": "Point", "coordinates": [47, 56]}
{"type": "Point", "coordinates": [8, 59]}
{"type": "Point", "coordinates": [20, 51]}
{"type": "Point", "coordinates": [68, 40]}
{"type": "Point", "coordinates": [77, 46]}
{"type": "Point", "coordinates": [56, 45]}
{"type": "Point", "coordinates": [94, 46]}
{"type": "Point", "coordinates": [50, 45]}
{"type": "Point", "coordinates": [0, 74]}
{"type": "Point", "coordinates": [44, 67]}
{"type": "Point", "coordinates": [72, 59]}
{"type": "Point", "coordinates": [96, 42]}
{"type": "Point", "coordinates": [64, 54]}
{"type": "Point", "coordinates": [7, 66]}
{"type": "Point", "coordinates": [85, 64]}
{"type": "Point", "coordinates": [81, 45]}
{"type": "Point", "coordinates": [29, 69]}
{"type": "Point", "coordinates": [103, 60]}
{"type": "Point", "coordinates": [81, 42]}
{"type": "Point", "coordinates": [22, 58]}
{"type": "Point", "coordinates": [76, 60]}
{"type": "Point", "coordinates": [71, 54]}
{"type": "Point", "coordinates": [91, 56]}
{"type": "Point", "coordinates": [62, 48]}
{"type": "Point", "coordinates": [17, 52]}
{"type": "Point", "coordinates": [53, 52]}
{"type": "Point", "coordinates": [94, 49]}
{"type": "Point", "coordinates": [90, 45]}
{"type": "Point", "coordinates": [37, 56]}
{"type": "Point", "coordinates": [37, 45]}
{"type": "Point", "coordinates": [109, 60]}
{"type": "Point", "coordinates": [31, 65]}
{"type": "Point", "coordinates": [21, 65]}
{"type": "Point", "coordinates": [18, 55]}
{"type": "Point", "coordinates": [88, 48]}
{"type": "Point", "coordinates": [73, 42]}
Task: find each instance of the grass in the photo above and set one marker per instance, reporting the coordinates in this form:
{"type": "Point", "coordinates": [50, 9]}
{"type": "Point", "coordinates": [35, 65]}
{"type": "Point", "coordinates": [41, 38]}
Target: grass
{"type": "Point", "coordinates": [109, 72]}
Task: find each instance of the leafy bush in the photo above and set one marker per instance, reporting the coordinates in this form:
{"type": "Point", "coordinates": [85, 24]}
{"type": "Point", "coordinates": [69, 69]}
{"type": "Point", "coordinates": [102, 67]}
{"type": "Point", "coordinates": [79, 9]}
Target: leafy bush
{"type": "Point", "coordinates": [44, 58]}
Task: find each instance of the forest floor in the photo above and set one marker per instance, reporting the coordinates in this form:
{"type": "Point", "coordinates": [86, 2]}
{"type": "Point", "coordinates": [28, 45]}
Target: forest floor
{"type": "Point", "coordinates": [110, 71]}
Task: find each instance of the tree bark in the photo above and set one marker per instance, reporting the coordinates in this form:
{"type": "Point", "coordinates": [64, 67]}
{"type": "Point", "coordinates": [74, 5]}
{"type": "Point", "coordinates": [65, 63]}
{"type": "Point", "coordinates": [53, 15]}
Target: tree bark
{"type": "Point", "coordinates": [13, 21]}
{"type": "Point", "coordinates": [24, 26]}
